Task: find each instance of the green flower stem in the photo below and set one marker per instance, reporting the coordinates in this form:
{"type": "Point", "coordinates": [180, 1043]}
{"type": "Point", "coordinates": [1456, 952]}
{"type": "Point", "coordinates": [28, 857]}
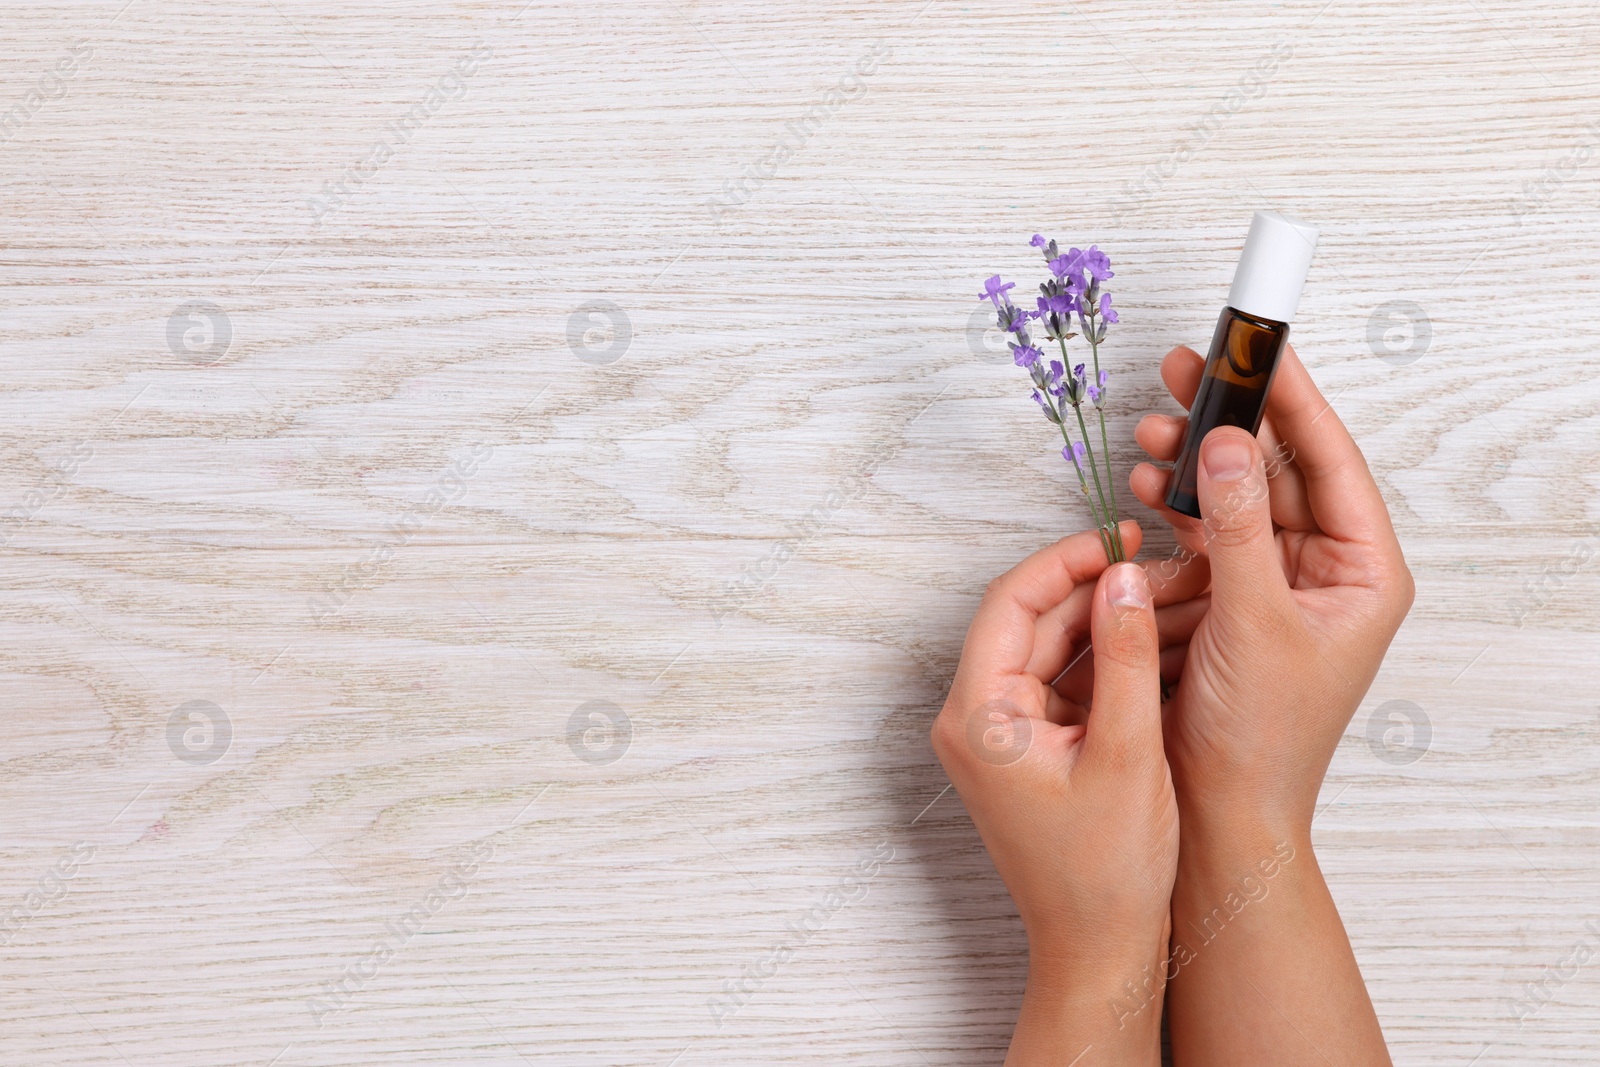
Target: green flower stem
{"type": "Point", "coordinates": [1113, 531]}
{"type": "Point", "coordinates": [1105, 446]}
{"type": "Point", "coordinates": [1114, 534]}
{"type": "Point", "coordinates": [1105, 542]}
{"type": "Point", "coordinates": [1099, 522]}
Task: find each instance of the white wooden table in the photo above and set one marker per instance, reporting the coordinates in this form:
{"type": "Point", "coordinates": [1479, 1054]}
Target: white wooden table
{"type": "Point", "coordinates": [369, 474]}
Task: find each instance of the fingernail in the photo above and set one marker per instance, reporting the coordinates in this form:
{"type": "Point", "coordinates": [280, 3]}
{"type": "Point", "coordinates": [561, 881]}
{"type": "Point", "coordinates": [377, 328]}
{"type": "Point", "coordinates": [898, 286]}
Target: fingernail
{"type": "Point", "coordinates": [1128, 587]}
{"type": "Point", "coordinates": [1226, 459]}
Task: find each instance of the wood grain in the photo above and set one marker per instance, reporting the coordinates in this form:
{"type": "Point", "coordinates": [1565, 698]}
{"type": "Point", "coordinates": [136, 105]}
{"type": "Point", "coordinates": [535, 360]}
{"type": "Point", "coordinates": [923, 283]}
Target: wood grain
{"type": "Point", "coordinates": [406, 523]}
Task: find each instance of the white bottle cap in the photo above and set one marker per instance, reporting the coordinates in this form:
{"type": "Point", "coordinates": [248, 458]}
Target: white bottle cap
{"type": "Point", "coordinates": [1272, 268]}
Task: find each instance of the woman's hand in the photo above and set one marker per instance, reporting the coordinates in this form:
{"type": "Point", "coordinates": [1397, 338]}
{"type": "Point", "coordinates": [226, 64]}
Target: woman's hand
{"type": "Point", "coordinates": [1074, 803]}
{"type": "Point", "coordinates": [1308, 586]}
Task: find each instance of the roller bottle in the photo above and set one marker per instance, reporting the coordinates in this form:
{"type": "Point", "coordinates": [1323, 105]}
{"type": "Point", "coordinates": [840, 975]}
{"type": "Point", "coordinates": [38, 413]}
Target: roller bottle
{"type": "Point", "coordinates": [1251, 334]}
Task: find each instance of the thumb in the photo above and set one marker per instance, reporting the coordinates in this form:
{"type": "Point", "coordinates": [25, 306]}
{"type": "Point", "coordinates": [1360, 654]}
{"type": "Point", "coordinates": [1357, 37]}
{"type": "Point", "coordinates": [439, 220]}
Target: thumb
{"type": "Point", "coordinates": [1246, 574]}
{"type": "Point", "coordinates": [1125, 714]}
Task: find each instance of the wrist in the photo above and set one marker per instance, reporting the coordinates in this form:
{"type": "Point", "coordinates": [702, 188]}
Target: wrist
{"type": "Point", "coordinates": [1227, 876]}
{"type": "Point", "coordinates": [1110, 997]}
{"type": "Point", "coordinates": [1227, 834]}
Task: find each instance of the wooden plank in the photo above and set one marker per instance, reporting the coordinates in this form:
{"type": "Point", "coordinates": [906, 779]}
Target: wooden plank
{"type": "Point", "coordinates": [585, 496]}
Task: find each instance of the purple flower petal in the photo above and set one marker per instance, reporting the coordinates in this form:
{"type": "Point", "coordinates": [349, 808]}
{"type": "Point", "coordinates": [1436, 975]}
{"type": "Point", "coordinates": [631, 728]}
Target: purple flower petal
{"type": "Point", "coordinates": [994, 289]}
{"type": "Point", "coordinates": [1014, 320]}
{"type": "Point", "coordinates": [1025, 355]}
{"type": "Point", "coordinates": [1069, 266]}
{"type": "Point", "coordinates": [1097, 264]}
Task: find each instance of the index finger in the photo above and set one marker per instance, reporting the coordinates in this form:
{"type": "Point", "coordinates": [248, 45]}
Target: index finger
{"type": "Point", "coordinates": [1340, 488]}
{"type": "Point", "coordinates": [1001, 638]}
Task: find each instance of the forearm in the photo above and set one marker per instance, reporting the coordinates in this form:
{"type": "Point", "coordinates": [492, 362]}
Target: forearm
{"type": "Point", "coordinates": [1106, 1011]}
{"type": "Point", "coordinates": [1261, 970]}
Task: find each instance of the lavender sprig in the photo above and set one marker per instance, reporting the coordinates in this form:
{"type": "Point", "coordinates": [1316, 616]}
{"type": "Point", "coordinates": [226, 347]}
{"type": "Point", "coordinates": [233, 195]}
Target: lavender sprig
{"type": "Point", "coordinates": [1074, 450]}
{"type": "Point", "coordinates": [1072, 292]}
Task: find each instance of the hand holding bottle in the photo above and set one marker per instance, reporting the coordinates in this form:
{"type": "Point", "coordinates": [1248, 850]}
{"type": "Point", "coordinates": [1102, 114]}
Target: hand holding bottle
{"type": "Point", "coordinates": [1308, 586]}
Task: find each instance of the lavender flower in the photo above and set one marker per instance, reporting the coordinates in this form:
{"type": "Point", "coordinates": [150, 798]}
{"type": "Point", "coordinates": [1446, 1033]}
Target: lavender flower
{"type": "Point", "coordinates": [1097, 392]}
{"type": "Point", "coordinates": [1075, 452]}
{"type": "Point", "coordinates": [1013, 319]}
{"type": "Point", "coordinates": [1095, 313]}
{"type": "Point", "coordinates": [1072, 388]}
{"type": "Point", "coordinates": [1062, 266]}
{"type": "Point", "coordinates": [1047, 408]}
{"type": "Point", "coordinates": [1097, 264]}
{"type": "Point", "coordinates": [993, 291]}
{"type": "Point", "coordinates": [1025, 355]}
{"type": "Point", "coordinates": [1055, 313]}
{"type": "Point", "coordinates": [1073, 291]}
{"type": "Point", "coordinates": [1068, 271]}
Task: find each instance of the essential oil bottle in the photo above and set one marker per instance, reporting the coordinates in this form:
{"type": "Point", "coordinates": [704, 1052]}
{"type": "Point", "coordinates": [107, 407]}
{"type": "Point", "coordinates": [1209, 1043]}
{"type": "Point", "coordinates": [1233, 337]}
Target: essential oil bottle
{"type": "Point", "coordinates": [1251, 334]}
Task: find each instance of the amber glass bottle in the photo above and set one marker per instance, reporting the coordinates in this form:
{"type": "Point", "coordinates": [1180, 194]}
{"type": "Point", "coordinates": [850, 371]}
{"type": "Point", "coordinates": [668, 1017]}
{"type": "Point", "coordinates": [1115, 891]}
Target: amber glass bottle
{"type": "Point", "coordinates": [1251, 334]}
{"type": "Point", "coordinates": [1233, 392]}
